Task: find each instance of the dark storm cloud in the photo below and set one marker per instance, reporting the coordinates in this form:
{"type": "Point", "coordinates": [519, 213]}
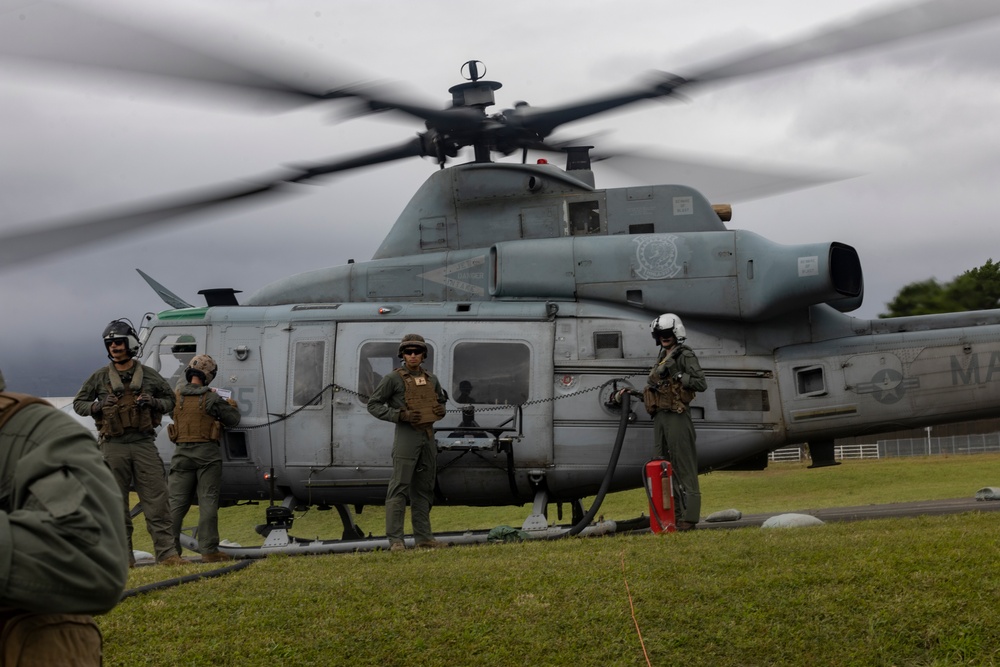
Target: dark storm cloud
{"type": "Point", "coordinates": [916, 122]}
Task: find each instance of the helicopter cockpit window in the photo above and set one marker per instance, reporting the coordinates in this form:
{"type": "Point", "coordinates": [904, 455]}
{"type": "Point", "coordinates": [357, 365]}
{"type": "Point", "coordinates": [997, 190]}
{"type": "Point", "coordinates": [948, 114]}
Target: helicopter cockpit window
{"type": "Point", "coordinates": [491, 373]}
{"type": "Point", "coordinates": [172, 354]}
{"type": "Point", "coordinates": [376, 360]}
{"type": "Point", "coordinates": [307, 378]}
{"type": "Point", "coordinates": [584, 218]}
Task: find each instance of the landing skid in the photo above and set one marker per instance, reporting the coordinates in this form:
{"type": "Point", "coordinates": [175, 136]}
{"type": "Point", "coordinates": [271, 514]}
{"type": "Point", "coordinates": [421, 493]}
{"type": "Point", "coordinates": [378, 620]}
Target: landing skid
{"type": "Point", "coordinates": [279, 519]}
{"type": "Point", "coordinates": [279, 541]}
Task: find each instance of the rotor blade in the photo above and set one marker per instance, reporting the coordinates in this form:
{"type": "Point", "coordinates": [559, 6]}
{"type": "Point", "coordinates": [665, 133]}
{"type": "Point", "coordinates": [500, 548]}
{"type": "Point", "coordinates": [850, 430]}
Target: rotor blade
{"type": "Point", "coordinates": [413, 148]}
{"type": "Point", "coordinates": [542, 121]}
{"type": "Point", "coordinates": [864, 32]}
{"type": "Point", "coordinates": [718, 180]}
{"type": "Point", "coordinates": [911, 21]}
{"type": "Point", "coordinates": [168, 297]}
{"type": "Point", "coordinates": [78, 231]}
{"type": "Point", "coordinates": [77, 38]}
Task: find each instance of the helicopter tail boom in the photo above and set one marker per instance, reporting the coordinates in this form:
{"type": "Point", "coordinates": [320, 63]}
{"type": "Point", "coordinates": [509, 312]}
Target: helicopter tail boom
{"type": "Point", "coordinates": [747, 278]}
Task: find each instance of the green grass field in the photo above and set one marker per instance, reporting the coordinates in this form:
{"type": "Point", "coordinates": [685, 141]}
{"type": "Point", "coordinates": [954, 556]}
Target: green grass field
{"type": "Point", "coordinates": [918, 591]}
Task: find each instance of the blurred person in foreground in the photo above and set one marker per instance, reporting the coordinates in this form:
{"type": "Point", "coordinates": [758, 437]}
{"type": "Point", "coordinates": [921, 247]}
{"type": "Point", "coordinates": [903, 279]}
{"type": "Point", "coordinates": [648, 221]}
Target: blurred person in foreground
{"type": "Point", "coordinates": [63, 549]}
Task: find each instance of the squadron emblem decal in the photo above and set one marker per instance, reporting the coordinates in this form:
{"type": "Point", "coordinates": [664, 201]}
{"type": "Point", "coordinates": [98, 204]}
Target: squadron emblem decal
{"type": "Point", "coordinates": [656, 257]}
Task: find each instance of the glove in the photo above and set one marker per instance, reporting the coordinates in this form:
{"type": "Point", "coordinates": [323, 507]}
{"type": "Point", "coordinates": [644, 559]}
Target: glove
{"type": "Point", "coordinates": [100, 404]}
{"type": "Point", "coordinates": [410, 416]}
{"type": "Point", "coordinates": [678, 377]}
{"type": "Point", "coordinates": [438, 411]}
{"type": "Point", "coordinates": [144, 400]}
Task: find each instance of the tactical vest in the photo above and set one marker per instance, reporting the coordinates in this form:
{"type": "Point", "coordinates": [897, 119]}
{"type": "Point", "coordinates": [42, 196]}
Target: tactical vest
{"type": "Point", "coordinates": [420, 395]}
{"type": "Point", "coordinates": [665, 394]}
{"type": "Point", "coordinates": [191, 422]}
{"type": "Point", "coordinates": [126, 414]}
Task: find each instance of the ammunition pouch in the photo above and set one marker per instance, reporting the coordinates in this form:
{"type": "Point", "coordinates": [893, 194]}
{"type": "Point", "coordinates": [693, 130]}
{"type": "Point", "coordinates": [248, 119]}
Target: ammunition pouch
{"type": "Point", "coordinates": [670, 395]}
{"type": "Point", "coordinates": [127, 415]}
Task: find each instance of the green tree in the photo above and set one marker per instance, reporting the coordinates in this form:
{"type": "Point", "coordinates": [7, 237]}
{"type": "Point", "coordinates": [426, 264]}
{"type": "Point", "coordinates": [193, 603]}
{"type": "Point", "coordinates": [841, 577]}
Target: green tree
{"type": "Point", "coordinates": [976, 289]}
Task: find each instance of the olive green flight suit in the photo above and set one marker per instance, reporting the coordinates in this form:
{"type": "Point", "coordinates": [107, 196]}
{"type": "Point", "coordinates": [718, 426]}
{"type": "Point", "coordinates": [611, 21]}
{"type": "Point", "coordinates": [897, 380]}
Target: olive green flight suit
{"type": "Point", "coordinates": [414, 460]}
{"type": "Point", "coordinates": [673, 431]}
{"type": "Point", "coordinates": [132, 455]}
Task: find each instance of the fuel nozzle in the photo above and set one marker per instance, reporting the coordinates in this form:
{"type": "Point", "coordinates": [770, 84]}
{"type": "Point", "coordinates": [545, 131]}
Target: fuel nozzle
{"type": "Point", "coordinates": [616, 399]}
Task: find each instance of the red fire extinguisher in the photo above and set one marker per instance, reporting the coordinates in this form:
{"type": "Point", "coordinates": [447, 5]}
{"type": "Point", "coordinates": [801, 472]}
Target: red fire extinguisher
{"type": "Point", "coordinates": [660, 490]}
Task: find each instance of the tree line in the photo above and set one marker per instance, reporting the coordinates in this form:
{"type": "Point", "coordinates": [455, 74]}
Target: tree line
{"type": "Point", "coordinates": [976, 289]}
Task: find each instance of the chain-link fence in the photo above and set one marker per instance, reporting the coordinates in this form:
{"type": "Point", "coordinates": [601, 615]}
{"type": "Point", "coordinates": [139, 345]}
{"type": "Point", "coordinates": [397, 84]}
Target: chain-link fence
{"type": "Point", "coordinates": [980, 443]}
{"type": "Point", "coordinates": [977, 443]}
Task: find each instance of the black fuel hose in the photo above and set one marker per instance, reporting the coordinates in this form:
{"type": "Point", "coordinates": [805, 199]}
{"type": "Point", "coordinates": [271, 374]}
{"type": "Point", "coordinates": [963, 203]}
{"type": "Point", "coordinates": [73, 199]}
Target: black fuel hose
{"type": "Point", "coordinates": [626, 399]}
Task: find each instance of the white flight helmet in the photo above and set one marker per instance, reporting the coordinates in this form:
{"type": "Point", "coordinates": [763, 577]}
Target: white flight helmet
{"type": "Point", "coordinates": [667, 323]}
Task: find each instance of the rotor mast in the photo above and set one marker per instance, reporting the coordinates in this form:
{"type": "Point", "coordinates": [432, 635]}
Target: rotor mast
{"type": "Point", "coordinates": [477, 94]}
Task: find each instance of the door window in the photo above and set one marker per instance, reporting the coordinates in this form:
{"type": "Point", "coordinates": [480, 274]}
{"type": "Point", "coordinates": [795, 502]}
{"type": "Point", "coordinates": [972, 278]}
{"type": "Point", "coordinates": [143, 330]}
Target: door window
{"type": "Point", "coordinates": [307, 378]}
{"type": "Point", "coordinates": [491, 373]}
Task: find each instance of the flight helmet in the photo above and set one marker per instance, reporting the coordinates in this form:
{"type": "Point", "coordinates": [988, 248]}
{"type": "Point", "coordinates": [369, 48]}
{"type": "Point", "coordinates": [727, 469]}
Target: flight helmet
{"type": "Point", "coordinates": [121, 329]}
{"type": "Point", "coordinates": [202, 365]}
{"type": "Point", "coordinates": [668, 323]}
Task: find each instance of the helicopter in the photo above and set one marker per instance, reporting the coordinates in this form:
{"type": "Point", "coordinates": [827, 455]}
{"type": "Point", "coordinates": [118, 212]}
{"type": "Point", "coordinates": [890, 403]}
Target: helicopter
{"type": "Point", "coordinates": [536, 288]}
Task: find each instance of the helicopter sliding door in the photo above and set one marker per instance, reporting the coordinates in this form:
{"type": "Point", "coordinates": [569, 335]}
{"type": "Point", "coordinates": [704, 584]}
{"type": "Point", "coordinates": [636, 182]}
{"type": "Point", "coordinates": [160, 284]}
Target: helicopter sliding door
{"type": "Point", "coordinates": [488, 369]}
{"type": "Point", "coordinates": [307, 395]}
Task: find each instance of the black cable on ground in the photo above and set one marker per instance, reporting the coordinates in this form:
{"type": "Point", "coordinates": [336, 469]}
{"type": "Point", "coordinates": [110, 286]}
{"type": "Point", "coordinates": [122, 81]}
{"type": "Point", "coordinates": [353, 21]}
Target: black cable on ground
{"type": "Point", "coordinates": [239, 565]}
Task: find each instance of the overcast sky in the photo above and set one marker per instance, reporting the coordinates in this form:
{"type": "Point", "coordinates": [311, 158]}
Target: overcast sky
{"type": "Point", "coordinates": [917, 122]}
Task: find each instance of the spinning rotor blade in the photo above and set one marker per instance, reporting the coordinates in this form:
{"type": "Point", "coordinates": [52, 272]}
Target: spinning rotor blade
{"type": "Point", "coordinates": [865, 32]}
{"type": "Point", "coordinates": [76, 231]}
{"type": "Point", "coordinates": [81, 38]}
{"type": "Point", "coordinates": [719, 180]}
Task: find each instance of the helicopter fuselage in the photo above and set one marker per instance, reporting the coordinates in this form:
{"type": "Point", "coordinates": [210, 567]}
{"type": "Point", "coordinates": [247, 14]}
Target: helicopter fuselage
{"type": "Point", "coordinates": [534, 292]}
{"type": "Point", "coordinates": [540, 374]}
